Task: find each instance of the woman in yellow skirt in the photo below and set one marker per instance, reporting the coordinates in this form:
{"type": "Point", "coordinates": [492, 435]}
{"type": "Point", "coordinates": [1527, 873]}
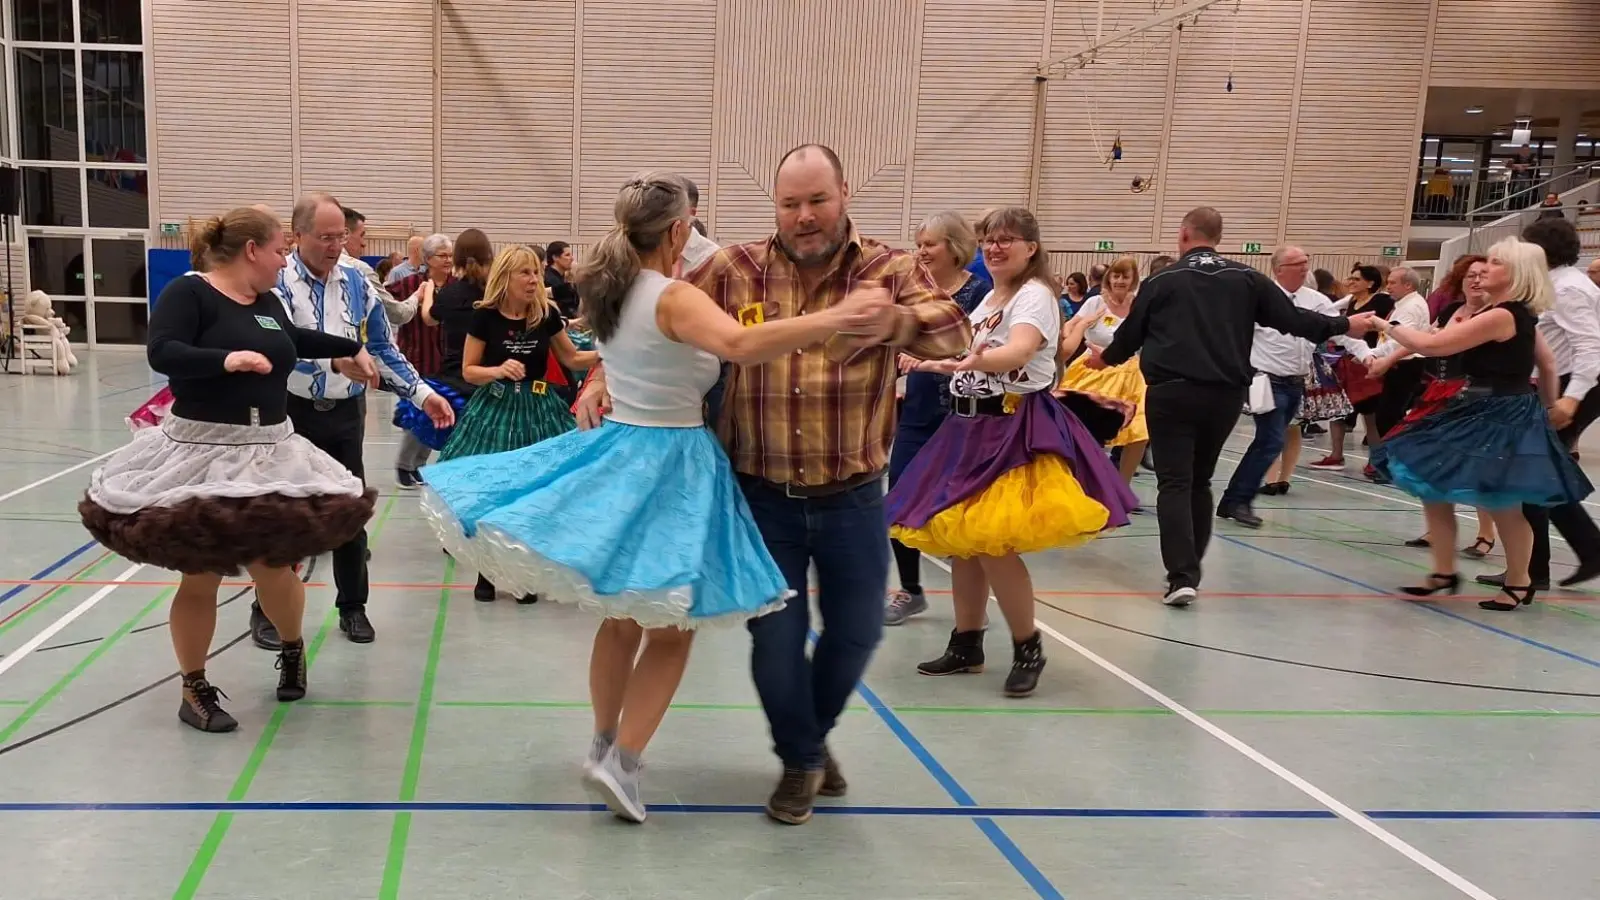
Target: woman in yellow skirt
{"type": "Point", "coordinates": [1011, 470]}
{"type": "Point", "coordinates": [1096, 323]}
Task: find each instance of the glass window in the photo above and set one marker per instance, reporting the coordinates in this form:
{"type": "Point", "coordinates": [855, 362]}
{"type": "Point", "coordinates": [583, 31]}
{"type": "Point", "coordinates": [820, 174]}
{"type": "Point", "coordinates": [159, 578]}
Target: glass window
{"type": "Point", "coordinates": [76, 314]}
{"type": "Point", "coordinates": [55, 266]}
{"type": "Point", "coordinates": [46, 20]}
{"type": "Point", "coordinates": [119, 268]}
{"type": "Point", "coordinates": [47, 104]}
{"type": "Point", "coordinates": [111, 22]}
{"type": "Point", "coordinates": [52, 197]}
{"type": "Point", "coordinates": [118, 198]}
{"type": "Point", "coordinates": [5, 110]}
{"type": "Point", "coordinates": [113, 106]}
{"type": "Point", "coordinates": [121, 323]}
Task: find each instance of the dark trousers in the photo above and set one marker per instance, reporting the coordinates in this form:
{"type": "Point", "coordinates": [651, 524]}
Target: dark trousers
{"type": "Point", "coordinates": [1402, 385]}
{"type": "Point", "coordinates": [1272, 432]}
{"type": "Point", "coordinates": [843, 536]}
{"type": "Point", "coordinates": [1188, 424]}
{"type": "Point", "coordinates": [339, 432]}
{"type": "Point", "coordinates": [907, 560]}
{"type": "Point", "coordinates": [1571, 519]}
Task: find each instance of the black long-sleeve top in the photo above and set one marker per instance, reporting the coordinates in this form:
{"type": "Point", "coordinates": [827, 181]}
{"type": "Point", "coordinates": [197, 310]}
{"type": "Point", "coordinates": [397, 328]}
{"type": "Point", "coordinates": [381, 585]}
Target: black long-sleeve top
{"type": "Point", "coordinates": [1195, 321]}
{"type": "Point", "coordinates": [193, 329]}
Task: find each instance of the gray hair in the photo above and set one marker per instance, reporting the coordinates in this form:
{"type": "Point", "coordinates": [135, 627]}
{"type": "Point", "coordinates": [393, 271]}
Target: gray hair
{"type": "Point", "coordinates": [304, 218]}
{"type": "Point", "coordinates": [1282, 253]}
{"type": "Point", "coordinates": [1408, 277]}
{"type": "Point", "coordinates": [435, 243]}
{"type": "Point", "coordinates": [957, 235]}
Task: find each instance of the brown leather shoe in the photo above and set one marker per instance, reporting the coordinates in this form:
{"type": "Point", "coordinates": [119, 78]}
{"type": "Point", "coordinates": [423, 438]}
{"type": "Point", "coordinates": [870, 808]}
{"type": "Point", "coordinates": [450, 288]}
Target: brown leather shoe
{"type": "Point", "coordinates": [833, 783]}
{"type": "Point", "coordinates": [796, 794]}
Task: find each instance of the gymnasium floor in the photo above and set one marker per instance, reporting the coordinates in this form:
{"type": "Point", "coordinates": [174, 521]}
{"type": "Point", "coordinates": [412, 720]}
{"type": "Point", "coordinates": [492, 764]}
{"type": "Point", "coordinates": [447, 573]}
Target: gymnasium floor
{"type": "Point", "coordinates": [1297, 734]}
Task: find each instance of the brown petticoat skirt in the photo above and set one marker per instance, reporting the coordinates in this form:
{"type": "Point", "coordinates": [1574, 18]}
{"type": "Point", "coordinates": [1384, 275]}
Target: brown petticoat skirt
{"type": "Point", "coordinates": [221, 535]}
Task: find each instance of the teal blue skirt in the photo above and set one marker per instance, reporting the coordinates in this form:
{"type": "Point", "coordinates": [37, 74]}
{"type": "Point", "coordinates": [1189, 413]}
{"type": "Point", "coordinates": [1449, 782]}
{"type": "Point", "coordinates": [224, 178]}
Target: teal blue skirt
{"type": "Point", "coordinates": [508, 415]}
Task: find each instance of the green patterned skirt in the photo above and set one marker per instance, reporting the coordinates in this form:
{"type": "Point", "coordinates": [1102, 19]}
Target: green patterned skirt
{"type": "Point", "coordinates": [505, 415]}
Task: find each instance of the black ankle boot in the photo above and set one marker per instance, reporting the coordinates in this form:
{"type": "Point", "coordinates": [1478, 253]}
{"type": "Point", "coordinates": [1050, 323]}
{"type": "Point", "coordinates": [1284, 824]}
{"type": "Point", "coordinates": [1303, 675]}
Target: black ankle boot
{"type": "Point", "coordinates": [292, 671]}
{"type": "Point", "coordinates": [483, 592]}
{"type": "Point", "coordinates": [963, 654]}
{"type": "Point", "coordinates": [1027, 661]}
{"type": "Point", "coordinates": [199, 709]}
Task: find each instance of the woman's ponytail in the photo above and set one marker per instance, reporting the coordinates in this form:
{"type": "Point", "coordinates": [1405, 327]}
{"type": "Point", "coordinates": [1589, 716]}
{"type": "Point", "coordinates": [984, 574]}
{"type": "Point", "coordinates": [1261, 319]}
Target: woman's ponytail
{"type": "Point", "coordinates": [646, 208]}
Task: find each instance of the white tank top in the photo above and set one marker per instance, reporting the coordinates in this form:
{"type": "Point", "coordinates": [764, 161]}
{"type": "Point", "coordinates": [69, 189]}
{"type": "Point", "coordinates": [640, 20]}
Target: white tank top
{"type": "Point", "coordinates": [654, 381]}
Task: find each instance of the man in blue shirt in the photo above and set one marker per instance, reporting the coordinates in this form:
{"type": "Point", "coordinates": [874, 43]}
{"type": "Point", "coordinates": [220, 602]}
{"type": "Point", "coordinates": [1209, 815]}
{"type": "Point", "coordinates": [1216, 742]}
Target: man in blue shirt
{"type": "Point", "coordinates": [327, 398]}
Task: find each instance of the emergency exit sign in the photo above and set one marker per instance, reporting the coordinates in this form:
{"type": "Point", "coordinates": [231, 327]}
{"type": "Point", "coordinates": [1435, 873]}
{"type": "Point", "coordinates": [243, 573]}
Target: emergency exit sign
{"type": "Point", "coordinates": [1251, 247]}
{"type": "Point", "coordinates": [1105, 246]}
{"type": "Point", "coordinates": [1391, 252]}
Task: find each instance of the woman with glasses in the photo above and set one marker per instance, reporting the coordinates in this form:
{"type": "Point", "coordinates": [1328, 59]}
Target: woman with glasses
{"type": "Point", "coordinates": [1011, 471]}
{"type": "Point", "coordinates": [421, 342]}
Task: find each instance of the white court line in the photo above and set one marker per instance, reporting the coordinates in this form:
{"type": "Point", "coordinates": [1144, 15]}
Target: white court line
{"type": "Point", "coordinates": [55, 627]}
{"type": "Point", "coordinates": [1328, 801]}
{"type": "Point", "coordinates": [49, 478]}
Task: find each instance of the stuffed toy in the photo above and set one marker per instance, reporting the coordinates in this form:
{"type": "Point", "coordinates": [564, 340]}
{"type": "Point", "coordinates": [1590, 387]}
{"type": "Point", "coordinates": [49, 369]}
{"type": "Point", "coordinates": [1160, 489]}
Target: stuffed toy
{"type": "Point", "coordinates": [36, 310]}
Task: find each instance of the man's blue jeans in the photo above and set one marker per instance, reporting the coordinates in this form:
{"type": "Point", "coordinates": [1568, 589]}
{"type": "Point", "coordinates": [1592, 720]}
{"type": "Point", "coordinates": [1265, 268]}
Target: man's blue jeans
{"type": "Point", "coordinates": [845, 536]}
{"type": "Point", "coordinates": [1272, 431]}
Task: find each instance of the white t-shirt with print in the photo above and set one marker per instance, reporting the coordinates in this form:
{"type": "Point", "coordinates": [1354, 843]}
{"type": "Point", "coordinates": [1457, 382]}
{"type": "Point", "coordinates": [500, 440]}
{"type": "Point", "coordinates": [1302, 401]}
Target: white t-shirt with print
{"type": "Point", "coordinates": [1033, 304]}
{"type": "Point", "coordinates": [1103, 322]}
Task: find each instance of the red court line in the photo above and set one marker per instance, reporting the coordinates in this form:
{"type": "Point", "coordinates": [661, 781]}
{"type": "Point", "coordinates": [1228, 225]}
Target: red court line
{"type": "Point", "coordinates": [56, 584]}
{"type": "Point", "coordinates": [436, 586]}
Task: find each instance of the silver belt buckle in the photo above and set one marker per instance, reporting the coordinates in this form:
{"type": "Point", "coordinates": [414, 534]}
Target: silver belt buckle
{"type": "Point", "coordinates": [323, 405]}
{"type": "Point", "coordinates": [965, 407]}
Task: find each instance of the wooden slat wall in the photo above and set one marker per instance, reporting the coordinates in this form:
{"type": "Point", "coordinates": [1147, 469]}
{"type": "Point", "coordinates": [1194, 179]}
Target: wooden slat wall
{"type": "Point", "coordinates": [1356, 140]}
{"type": "Point", "coordinates": [221, 105]}
{"type": "Point", "coordinates": [1227, 150]}
{"type": "Point", "coordinates": [632, 123]}
{"type": "Point", "coordinates": [1517, 43]}
{"type": "Point", "coordinates": [366, 95]}
{"type": "Point", "coordinates": [974, 105]}
{"type": "Point", "coordinates": [508, 118]}
{"type": "Point", "coordinates": [1081, 198]}
{"type": "Point", "coordinates": [839, 72]}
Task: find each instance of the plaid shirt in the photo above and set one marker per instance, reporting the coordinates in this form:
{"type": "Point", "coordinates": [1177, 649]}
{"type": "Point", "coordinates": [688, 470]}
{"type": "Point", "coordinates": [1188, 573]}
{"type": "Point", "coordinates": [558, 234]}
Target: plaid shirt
{"type": "Point", "coordinates": [422, 343]}
{"type": "Point", "coordinates": [824, 414]}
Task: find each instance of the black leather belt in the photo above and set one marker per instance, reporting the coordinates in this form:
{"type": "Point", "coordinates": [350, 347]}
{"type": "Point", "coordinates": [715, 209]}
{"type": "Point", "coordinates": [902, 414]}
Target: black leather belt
{"type": "Point", "coordinates": [970, 407]}
{"type": "Point", "coordinates": [817, 491]}
{"type": "Point", "coordinates": [322, 404]}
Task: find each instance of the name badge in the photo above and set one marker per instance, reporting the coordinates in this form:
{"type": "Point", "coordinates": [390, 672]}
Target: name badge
{"type": "Point", "coordinates": [268, 323]}
{"type": "Point", "coordinates": [752, 314]}
{"type": "Point", "coordinates": [1109, 321]}
{"type": "Point", "coordinates": [537, 387]}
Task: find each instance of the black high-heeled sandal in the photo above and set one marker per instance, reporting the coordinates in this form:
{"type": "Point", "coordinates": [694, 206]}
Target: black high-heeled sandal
{"type": "Point", "coordinates": [1480, 548]}
{"type": "Point", "coordinates": [1520, 596]}
{"type": "Point", "coordinates": [1436, 583]}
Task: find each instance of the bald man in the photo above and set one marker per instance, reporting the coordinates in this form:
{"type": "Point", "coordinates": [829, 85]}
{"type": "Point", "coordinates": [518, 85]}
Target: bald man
{"type": "Point", "coordinates": [809, 437]}
{"type": "Point", "coordinates": [1594, 272]}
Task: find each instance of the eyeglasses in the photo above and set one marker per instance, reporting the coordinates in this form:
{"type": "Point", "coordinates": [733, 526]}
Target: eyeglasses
{"type": "Point", "coordinates": [335, 238]}
{"type": "Point", "coordinates": [1002, 242]}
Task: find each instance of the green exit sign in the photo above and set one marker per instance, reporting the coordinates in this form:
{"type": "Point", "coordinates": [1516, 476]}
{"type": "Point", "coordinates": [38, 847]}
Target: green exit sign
{"type": "Point", "coordinates": [1105, 246]}
{"type": "Point", "coordinates": [170, 229]}
{"type": "Point", "coordinates": [1391, 252]}
{"type": "Point", "coordinates": [1251, 247]}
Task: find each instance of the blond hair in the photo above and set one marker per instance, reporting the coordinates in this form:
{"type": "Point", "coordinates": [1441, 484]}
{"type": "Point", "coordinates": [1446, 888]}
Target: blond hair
{"type": "Point", "coordinates": [496, 291]}
{"type": "Point", "coordinates": [1126, 265]}
{"type": "Point", "coordinates": [1530, 273]}
{"type": "Point", "coordinates": [958, 236]}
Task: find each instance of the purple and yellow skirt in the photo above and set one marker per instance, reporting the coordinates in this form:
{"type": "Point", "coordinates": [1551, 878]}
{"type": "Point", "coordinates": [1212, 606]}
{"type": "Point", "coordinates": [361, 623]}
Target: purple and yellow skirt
{"type": "Point", "coordinates": [1021, 481]}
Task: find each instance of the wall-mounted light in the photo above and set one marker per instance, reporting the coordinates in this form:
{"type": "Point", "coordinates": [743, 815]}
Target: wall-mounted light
{"type": "Point", "coordinates": [1474, 110]}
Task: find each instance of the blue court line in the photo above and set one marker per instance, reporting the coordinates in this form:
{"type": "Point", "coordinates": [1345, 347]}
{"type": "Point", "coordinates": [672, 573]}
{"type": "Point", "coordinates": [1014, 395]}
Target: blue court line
{"type": "Point", "coordinates": [966, 805]}
{"type": "Point", "coordinates": [957, 812]}
{"type": "Point", "coordinates": [1430, 607]}
{"type": "Point", "coordinates": [45, 573]}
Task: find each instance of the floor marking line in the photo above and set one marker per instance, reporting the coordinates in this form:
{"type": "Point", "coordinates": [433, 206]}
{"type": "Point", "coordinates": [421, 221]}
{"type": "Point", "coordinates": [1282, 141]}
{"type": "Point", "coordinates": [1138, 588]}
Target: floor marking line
{"type": "Point", "coordinates": [206, 853]}
{"type": "Point", "coordinates": [956, 812]}
{"type": "Point", "coordinates": [1333, 804]}
{"type": "Point", "coordinates": [33, 607]}
{"type": "Point", "coordinates": [49, 478]}
{"type": "Point", "coordinates": [45, 572]}
{"type": "Point", "coordinates": [50, 631]}
{"type": "Point", "coordinates": [395, 859]}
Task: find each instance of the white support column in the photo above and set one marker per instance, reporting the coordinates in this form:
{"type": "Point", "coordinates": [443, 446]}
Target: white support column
{"type": "Point", "coordinates": [1567, 145]}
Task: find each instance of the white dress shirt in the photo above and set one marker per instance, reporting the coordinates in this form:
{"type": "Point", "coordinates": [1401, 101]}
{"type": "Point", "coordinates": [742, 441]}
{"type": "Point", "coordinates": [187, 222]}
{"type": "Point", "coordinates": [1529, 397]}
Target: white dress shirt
{"type": "Point", "coordinates": [1287, 356]}
{"type": "Point", "coordinates": [1412, 312]}
{"type": "Point", "coordinates": [1572, 329]}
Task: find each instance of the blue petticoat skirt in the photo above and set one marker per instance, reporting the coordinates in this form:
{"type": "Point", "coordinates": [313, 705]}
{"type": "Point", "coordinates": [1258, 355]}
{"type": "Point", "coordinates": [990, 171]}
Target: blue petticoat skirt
{"type": "Point", "coordinates": [1470, 448]}
{"type": "Point", "coordinates": [629, 522]}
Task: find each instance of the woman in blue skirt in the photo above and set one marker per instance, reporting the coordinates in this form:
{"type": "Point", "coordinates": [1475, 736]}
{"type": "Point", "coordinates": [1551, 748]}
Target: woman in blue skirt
{"type": "Point", "coordinates": [654, 534]}
{"type": "Point", "coordinates": [1484, 439]}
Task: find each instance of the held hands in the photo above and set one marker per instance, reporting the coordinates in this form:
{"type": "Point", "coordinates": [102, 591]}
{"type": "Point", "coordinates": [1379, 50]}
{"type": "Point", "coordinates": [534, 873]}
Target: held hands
{"type": "Point", "coordinates": [439, 410]}
{"type": "Point", "coordinates": [1362, 324]}
{"type": "Point", "coordinates": [593, 404]}
{"type": "Point", "coordinates": [1562, 412]}
{"type": "Point", "coordinates": [359, 368]}
{"type": "Point", "coordinates": [867, 314]}
{"type": "Point", "coordinates": [1092, 358]}
{"type": "Point", "coordinates": [512, 370]}
{"type": "Point", "coordinates": [247, 361]}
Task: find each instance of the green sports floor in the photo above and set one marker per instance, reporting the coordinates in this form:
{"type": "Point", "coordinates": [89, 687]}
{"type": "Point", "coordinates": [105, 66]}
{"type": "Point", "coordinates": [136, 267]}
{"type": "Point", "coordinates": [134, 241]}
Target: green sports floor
{"type": "Point", "coordinates": [1299, 733]}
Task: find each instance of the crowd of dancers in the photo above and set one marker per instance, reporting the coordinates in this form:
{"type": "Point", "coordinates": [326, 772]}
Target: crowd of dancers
{"type": "Point", "coordinates": [675, 435]}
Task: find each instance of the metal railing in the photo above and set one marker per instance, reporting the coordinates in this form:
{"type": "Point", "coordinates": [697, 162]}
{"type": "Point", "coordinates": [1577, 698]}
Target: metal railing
{"type": "Point", "coordinates": [1478, 196]}
{"type": "Point", "coordinates": [1578, 187]}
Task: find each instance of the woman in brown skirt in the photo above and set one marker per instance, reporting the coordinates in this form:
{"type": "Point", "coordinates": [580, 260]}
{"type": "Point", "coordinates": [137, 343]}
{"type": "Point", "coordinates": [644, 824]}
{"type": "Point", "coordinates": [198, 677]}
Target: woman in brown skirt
{"type": "Point", "coordinates": [225, 484]}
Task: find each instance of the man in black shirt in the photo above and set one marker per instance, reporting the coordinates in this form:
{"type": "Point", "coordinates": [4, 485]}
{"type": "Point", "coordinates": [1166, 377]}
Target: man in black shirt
{"type": "Point", "coordinates": [558, 262]}
{"type": "Point", "coordinates": [1192, 325]}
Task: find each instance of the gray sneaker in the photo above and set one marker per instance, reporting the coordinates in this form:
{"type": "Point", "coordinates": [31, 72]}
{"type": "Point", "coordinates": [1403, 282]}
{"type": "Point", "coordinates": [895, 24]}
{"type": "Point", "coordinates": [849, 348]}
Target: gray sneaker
{"type": "Point", "coordinates": [617, 788]}
{"type": "Point", "coordinates": [903, 605]}
{"type": "Point", "coordinates": [598, 748]}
